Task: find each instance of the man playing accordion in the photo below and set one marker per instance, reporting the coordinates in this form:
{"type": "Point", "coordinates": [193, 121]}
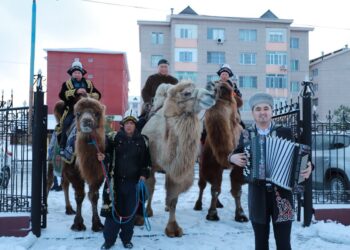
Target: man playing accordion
{"type": "Point", "coordinates": [267, 200]}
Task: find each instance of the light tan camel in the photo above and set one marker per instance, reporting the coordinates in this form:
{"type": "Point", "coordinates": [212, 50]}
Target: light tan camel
{"type": "Point", "coordinates": [174, 133]}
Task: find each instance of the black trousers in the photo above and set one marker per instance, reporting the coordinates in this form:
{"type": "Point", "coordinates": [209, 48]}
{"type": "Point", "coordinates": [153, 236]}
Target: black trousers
{"type": "Point", "coordinates": [125, 200]}
{"type": "Point", "coordinates": [281, 230]}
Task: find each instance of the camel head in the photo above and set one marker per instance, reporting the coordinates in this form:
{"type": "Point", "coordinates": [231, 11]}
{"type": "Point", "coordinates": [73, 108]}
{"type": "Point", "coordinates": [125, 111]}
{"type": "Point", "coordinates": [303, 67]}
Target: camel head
{"type": "Point", "coordinates": [185, 97]}
{"type": "Point", "coordinates": [89, 115]}
{"type": "Point", "coordinates": [223, 91]}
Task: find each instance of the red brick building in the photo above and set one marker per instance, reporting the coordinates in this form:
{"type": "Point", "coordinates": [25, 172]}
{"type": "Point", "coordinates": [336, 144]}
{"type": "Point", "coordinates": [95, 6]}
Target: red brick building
{"type": "Point", "coordinates": [108, 71]}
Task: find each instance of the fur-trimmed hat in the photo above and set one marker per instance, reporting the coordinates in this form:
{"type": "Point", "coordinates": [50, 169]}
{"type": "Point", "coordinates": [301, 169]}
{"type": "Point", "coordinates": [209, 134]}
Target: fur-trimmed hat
{"type": "Point", "coordinates": [225, 68]}
{"type": "Point", "coordinates": [259, 98]}
{"type": "Point", "coordinates": [163, 61]}
{"type": "Point", "coordinates": [129, 116]}
{"type": "Point", "coordinates": [76, 65]}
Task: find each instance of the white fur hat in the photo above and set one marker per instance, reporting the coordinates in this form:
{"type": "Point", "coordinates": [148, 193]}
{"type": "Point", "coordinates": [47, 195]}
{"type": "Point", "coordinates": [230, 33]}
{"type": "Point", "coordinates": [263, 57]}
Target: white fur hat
{"type": "Point", "coordinates": [76, 65]}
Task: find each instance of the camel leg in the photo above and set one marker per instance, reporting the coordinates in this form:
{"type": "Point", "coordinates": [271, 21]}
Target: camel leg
{"type": "Point", "coordinates": [173, 189]}
{"type": "Point", "coordinates": [215, 192]}
{"type": "Point", "coordinates": [202, 183]}
{"type": "Point", "coordinates": [65, 187]}
{"type": "Point", "coordinates": [49, 179]}
{"type": "Point", "coordinates": [236, 191]}
{"type": "Point", "coordinates": [72, 174]}
{"type": "Point", "coordinates": [93, 194]}
{"type": "Point", "coordinates": [151, 182]}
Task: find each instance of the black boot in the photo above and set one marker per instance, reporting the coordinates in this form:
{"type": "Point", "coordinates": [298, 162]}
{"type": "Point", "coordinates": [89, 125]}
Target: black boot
{"type": "Point", "coordinates": [107, 245]}
{"type": "Point", "coordinates": [128, 245]}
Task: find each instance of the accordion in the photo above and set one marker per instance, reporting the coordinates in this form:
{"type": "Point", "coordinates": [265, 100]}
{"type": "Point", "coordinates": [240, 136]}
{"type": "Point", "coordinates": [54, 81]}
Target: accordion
{"type": "Point", "coordinates": [276, 160]}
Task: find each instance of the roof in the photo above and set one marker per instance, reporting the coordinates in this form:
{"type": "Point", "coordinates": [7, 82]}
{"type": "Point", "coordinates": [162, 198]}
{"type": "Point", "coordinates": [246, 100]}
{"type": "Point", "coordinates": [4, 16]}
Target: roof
{"type": "Point", "coordinates": [330, 55]}
{"type": "Point", "coordinates": [84, 50]}
{"type": "Point", "coordinates": [188, 11]}
{"type": "Point", "coordinates": [269, 14]}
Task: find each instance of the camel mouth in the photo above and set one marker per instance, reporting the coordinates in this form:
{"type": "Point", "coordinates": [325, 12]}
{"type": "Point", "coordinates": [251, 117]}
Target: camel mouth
{"type": "Point", "coordinates": [85, 129]}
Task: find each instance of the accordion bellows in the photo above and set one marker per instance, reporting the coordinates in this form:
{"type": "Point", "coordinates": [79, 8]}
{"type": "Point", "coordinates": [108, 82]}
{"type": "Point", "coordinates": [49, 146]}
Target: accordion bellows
{"type": "Point", "coordinates": [276, 160]}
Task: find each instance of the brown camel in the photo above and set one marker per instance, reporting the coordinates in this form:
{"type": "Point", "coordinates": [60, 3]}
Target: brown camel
{"type": "Point", "coordinates": [89, 120]}
{"type": "Point", "coordinates": [174, 133]}
{"type": "Point", "coordinates": [223, 132]}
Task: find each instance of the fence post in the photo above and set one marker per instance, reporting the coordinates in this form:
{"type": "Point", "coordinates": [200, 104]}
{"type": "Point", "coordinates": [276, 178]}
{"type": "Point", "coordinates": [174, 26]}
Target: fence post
{"type": "Point", "coordinates": [306, 94]}
{"type": "Point", "coordinates": [37, 153]}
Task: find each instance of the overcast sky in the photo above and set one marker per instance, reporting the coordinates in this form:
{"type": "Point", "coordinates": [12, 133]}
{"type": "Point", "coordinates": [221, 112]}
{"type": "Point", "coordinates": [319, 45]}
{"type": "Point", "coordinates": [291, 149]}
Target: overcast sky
{"type": "Point", "coordinates": [88, 24]}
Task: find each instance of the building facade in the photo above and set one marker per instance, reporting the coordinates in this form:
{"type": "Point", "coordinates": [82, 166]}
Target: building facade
{"type": "Point", "coordinates": [266, 54]}
{"type": "Point", "coordinates": [330, 75]}
{"type": "Point", "coordinates": [108, 71]}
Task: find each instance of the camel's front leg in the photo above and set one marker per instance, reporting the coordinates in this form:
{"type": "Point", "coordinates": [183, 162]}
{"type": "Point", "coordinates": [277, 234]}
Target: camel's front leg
{"type": "Point", "coordinates": [97, 226]}
{"type": "Point", "coordinates": [173, 189]}
{"type": "Point", "coordinates": [202, 183]}
{"type": "Point", "coordinates": [151, 182]}
{"type": "Point", "coordinates": [236, 191]}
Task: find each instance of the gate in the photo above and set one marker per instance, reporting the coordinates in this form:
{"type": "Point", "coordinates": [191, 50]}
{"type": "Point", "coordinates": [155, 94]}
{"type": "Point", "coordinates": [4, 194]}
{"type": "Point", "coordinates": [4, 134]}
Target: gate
{"type": "Point", "coordinates": [23, 163]}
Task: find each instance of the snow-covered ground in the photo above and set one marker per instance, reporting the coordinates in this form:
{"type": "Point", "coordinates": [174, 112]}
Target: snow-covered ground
{"type": "Point", "coordinates": [199, 233]}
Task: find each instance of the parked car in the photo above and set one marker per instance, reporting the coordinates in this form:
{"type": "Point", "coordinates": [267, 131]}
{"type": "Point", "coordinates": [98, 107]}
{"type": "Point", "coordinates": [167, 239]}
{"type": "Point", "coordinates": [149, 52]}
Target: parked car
{"type": "Point", "coordinates": [331, 156]}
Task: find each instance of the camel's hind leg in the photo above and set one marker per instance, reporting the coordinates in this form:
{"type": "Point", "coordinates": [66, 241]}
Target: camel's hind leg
{"type": "Point", "coordinates": [65, 187]}
{"type": "Point", "coordinates": [93, 194]}
{"type": "Point", "coordinates": [71, 173]}
{"type": "Point", "coordinates": [151, 182]}
{"type": "Point", "coordinates": [215, 192]}
{"type": "Point", "coordinates": [49, 178]}
{"type": "Point", "coordinates": [236, 178]}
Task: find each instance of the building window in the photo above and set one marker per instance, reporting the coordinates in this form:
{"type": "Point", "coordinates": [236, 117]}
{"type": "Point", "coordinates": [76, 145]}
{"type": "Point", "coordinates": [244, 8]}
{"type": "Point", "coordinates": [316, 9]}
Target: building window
{"type": "Point", "coordinates": [294, 43]}
{"type": "Point", "coordinates": [294, 65]}
{"type": "Point", "coordinates": [212, 78]}
{"type": "Point", "coordinates": [276, 58]}
{"type": "Point", "coordinates": [294, 86]}
{"type": "Point", "coordinates": [90, 60]}
{"type": "Point", "coordinates": [157, 38]}
{"type": "Point", "coordinates": [314, 72]}
{"type": "Point", "coordinates": [248, 58]}
{"type": "Point", "coordinates": [216, 33]}
{"type": "Point", "coordinates": [315, 87]}
{"type": "Point", "coordinates": [154, 60]}
{"type": "Point", "coordinates": [248, 82]}
{"type": "Point", "coordinates": [185, 75]}
{"type": "Point", "coordinates": [216, 57]}
{"type": "Point", "coordinates": [276, 35]}
{"type": "Point", "coordinates": [185, 55]}
{"type": "Point", "coordinates": [247, 35]}
{"type": "Point", "coordinates": [90, 76]}
{"type": "Point", "coordinates": [186, 31]}
{"type": "Point", "coordinates": [276, 81]}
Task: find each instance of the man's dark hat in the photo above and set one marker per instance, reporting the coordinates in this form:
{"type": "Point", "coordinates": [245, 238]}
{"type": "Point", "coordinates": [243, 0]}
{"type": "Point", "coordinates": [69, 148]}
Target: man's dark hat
{"type": "Point", "coordinates": [76, 65]}
{"type": "Point", "coordinates": [225, 68]}
{"type": "Point", "coordinates": [163, 61]}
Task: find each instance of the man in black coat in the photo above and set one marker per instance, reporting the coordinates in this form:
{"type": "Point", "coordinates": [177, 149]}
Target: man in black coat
{"type": "Point", "coordinates": [129, 160]}
{"type": "Point", "coordinates": [153, 81]}
{"type": "Point", "coordinates": [70, 93]}
{"type": "Point", "coordinates": [266, 200]}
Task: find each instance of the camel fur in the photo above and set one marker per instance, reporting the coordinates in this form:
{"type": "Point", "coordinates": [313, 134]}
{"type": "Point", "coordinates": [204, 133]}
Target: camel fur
{"type": "Point", "coordinates": [89, 118]}
{"type": "Point", "coordinates": [174, 133]}
{"type": "Point", "coordinates": [222, 123]}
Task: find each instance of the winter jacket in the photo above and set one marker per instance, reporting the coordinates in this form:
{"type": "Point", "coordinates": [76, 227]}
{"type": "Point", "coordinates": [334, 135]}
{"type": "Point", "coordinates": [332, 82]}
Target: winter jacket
{"type": "Point", "coordinates": [128, 159]}
{"type": "Point", "coordinates": [152, 83]}
{"type": "Point", "coordinates": [69, 95]}
{"type": "Point", "coordinates": [283, 207]}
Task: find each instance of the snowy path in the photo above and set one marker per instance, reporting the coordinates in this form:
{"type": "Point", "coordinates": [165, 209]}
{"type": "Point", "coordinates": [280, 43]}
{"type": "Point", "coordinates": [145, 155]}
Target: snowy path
{"type": "Point", "coordinates": [199, 233]}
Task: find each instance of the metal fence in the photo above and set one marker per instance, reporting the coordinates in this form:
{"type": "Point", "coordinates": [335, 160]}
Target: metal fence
{"type": "Point", "coordinates": [331, 155]}
{"type": "Point", "coordinates": [15, 160]}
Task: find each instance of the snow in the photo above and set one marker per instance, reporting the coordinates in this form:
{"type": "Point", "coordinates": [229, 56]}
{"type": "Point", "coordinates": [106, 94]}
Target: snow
{"type": "Point", "coordinates": [198, 232]}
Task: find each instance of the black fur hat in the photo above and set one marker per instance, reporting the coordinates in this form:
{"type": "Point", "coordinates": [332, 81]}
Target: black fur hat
{"type": "Point", "coordinates": [76, 65]}
{"type": "Point", "coordinates": [225, 68]}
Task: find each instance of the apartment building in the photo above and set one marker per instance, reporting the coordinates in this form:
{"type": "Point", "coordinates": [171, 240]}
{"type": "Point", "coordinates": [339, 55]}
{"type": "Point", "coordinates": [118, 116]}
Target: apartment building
{"type": "Point", "coordinates": [330, 75]}
{"type": "Point", "coordinates": [266, 53]}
